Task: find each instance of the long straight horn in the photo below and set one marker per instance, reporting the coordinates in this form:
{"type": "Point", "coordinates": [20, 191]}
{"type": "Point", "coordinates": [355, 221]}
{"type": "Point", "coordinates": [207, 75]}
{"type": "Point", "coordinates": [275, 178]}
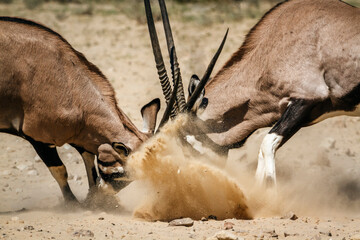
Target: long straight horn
{"type": "Point", "coordinates": [164, 80]}
{"type": "Point", "coordinates": [206, 76]}
{"type": "Point", "coordinates": [171, 48]}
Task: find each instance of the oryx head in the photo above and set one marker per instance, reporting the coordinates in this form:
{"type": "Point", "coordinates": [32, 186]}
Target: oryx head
{"type": "Point", "coordinates": [110, 163]}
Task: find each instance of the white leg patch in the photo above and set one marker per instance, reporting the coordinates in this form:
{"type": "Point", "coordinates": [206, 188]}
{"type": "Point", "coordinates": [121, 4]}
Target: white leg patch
{"type": "Point", "coordinates": [266, 161]}
{"type": "Point", "coordinates": [195, 144]}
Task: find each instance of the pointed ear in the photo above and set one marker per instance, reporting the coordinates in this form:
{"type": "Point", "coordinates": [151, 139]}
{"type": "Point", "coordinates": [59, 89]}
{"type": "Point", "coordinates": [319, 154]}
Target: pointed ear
{"type": "Point", "coordinates": [194, 81]}
{"type": "Point", "coordinates": [120, 148]}
{"type": "Point", "coordinates": [149, 113]}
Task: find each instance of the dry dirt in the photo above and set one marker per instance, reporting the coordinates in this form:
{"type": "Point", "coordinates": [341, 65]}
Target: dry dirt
{"type": "Point", "coordinates": [318, 169]}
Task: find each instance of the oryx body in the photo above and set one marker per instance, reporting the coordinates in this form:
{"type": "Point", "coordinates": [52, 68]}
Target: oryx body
{"type": "Point", "coordinates": [299, 65]}
{"type": "Point", "coordinates": [51, 95]}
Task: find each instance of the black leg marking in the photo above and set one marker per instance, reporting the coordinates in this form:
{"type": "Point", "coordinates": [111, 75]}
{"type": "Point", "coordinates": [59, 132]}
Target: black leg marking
{"type": "Point", "coordinates": [88, 159]}
{"type": "Point", "coordinates": [52, 160]}
{"type": "Point", "coordinates": [295, 117]}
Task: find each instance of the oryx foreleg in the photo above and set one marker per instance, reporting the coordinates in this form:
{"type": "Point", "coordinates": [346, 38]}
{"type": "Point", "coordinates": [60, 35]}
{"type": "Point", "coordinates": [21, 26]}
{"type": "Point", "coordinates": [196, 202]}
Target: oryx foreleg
{"type": "Point", "coordinates": [295, 116]}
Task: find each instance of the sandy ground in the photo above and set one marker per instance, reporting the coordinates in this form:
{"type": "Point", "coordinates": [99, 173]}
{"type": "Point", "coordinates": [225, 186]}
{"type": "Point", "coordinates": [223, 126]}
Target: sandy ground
{"type": "Point", "coordinates": [318, 169]}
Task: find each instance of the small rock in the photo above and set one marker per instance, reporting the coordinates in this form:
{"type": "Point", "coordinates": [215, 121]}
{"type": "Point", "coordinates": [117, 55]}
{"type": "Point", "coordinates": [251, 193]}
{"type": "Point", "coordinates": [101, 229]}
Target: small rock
{"type": "Point", "coordinates": [204, 219]}
{"type": "Point", "coordinates": [272, 233]}
{"type": "Point", "coordinates": [228, 225]}
{"type": "Point", "coordinates": [326, 233]}
{"type": "Point", "coordinates": [224, 235]}
{"type": "Point", "coordinates": [290, 234]}
{"type": "Point", "coordinates": [29, 228]}
{"type": "Point", "coordinates": [101, 218]}
{"type": "Point", "coordinates": [186, 222]}
{"type": "Point", "coordinates": [290, 215]}
{"type": "Point", "coordinates": [14, 219]}
{"type": "Point", "coordinates": [83, 233]}
{"type": "Point", "coordinates": [22, 167]}
{"type": "Point", "coordinates": [32, 173]}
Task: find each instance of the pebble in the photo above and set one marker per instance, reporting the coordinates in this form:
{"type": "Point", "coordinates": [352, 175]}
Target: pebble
{"type": "Point", "coordinates": [204, 219]}
{"type": "Point", "coordinates": [32, 173]}
{"type": "Point", "coordinates": [290, 215]}
{"type": "Point", "coordinates": [228, 225]}
{"type": "Point", "coordinates": [225, 235]}
{"type": "Point", "coordinates": [29, 227]}
{"type": "Point", "coordinates": [290, 234]}
{"type": "Point", "coordinates": [326, 233]}
{"type": "Point", "coordinates": [272, 233]}
{"type": "Point", "coordinates": [83, 233]}
{"type": "Point", "coordinates": [22, 167]}
{"type": "Point", "coordinates": [186, 222]}
{"type": "Point", "coordinates": [14, 219]}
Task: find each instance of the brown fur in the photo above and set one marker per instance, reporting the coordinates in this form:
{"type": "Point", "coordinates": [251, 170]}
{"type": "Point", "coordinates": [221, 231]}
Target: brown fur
{"type": "Point", "coordinates": [301, 49]}
{"type": "Point", "coordinates": [59, 96]}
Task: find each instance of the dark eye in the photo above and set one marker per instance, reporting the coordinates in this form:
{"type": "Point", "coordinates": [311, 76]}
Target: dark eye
{"type": "Point", "coordinates": [120, 148]}
{"type": "Point", "coordinates": [204, 103]}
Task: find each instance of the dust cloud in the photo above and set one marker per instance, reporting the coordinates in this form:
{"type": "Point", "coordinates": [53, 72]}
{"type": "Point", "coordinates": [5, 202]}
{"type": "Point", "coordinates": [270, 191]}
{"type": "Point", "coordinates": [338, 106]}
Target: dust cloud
{"type": "Point", "coordinates": [176, 184]}
{"type": "Point", "coordinates": [171, 183]}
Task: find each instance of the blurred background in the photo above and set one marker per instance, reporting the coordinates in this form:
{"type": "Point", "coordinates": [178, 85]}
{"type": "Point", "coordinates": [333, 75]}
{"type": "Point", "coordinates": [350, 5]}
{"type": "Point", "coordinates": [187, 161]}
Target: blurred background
{"type": "Point", "coordinates": [199, 11]}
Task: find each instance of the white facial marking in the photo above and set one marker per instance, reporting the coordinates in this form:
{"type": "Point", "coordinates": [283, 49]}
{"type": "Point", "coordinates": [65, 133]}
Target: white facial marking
{"type": "Point", "coordinates": [119, 170]}
{"type": "Point", "coordinates": [146, 128]}
{"type": "Point", "coordinates": [266, 161]}
{"type": "Point", "coordinates": [195, 144]}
